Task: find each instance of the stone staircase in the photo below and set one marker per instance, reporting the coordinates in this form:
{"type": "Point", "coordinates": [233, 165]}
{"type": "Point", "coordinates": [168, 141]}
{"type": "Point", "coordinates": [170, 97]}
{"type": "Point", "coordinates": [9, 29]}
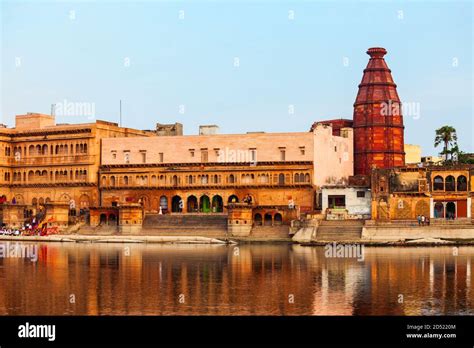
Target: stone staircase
{"type": "Point", "coordinates": [204, 225]}
{"type": "Point", "coordinates": [339, 230]}
{"type": "Point", "coordinates": [269, 232]}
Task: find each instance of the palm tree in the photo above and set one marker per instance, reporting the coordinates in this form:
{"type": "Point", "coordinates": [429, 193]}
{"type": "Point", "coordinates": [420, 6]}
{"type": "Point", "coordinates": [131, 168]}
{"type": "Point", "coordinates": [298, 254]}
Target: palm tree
{"type": "Point", "coordinates": [447, 136]}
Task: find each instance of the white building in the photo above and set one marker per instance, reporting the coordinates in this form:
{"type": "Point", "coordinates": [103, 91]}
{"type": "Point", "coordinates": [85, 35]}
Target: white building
{"type": "Point", "coordinates": [346, 202]}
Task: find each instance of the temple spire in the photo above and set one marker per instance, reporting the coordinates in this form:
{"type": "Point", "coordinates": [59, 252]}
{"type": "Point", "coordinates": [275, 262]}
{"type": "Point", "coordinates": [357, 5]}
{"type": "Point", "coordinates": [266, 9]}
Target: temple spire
{"type": "Point", "coordinates": [378, 120]}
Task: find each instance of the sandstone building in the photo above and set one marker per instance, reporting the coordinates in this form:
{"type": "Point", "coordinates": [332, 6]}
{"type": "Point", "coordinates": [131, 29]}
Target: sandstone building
{"type": "Point", "coordinates": [43, 162]}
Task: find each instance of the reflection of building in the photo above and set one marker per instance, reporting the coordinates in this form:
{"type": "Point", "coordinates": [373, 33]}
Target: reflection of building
{"type": "Point", "coordinates": [437, 192]}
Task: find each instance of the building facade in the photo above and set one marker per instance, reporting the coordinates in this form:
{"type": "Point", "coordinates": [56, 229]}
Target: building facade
{"type": "Point", "coordinates": [438, 192]}
{"type": "Point", "coordinates": [204, 173]}
{"type": "Point", "coordinates": [41, 161]}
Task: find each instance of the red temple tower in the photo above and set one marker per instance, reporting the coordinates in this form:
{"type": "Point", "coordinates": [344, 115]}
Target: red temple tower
{"type": "Point", "coordinates": [378, 121]}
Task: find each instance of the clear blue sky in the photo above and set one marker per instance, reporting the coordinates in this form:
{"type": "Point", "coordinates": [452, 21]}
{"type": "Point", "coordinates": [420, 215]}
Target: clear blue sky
{"type": "Point", "coordinates": [79, 56]}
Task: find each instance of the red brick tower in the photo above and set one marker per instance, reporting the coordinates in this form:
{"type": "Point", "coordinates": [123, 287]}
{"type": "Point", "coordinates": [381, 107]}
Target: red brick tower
{"type": "Point", "coordinates": [378, 121]}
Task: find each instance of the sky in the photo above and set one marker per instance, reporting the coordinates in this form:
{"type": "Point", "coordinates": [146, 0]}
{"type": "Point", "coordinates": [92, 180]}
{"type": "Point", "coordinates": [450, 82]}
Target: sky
{"type": "Point", "coordinates": [273, 66]}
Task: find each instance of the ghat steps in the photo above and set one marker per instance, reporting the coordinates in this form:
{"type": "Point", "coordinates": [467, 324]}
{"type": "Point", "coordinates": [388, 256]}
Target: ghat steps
{"type": "Point", "coordinates": [206, 225]}
{"type": "Point", "coordinates": [339, 230]}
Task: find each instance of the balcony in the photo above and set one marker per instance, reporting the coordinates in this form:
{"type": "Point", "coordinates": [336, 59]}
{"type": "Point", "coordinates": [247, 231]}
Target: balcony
{"type": "Point", "coordinates": [51, 160]}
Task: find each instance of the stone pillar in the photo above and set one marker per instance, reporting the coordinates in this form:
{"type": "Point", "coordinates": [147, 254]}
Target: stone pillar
{"type": "Point", "coordinates": [431, 208]}
{"type": "Point", "coordinates": [469, 207]}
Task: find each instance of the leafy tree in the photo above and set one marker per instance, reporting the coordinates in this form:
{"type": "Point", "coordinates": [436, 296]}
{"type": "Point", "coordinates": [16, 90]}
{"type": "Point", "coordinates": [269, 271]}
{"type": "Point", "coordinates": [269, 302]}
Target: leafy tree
{"type": "Point", "coordinates": [447, 136]}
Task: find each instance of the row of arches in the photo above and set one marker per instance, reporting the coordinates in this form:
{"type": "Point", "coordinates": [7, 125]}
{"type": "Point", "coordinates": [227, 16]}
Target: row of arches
{"type": "Point", "coordinates": [204, 179]}
{"type": "Point", "coordinates": [45, 176]}
{"type": "Point", "coordinates": [45, 149]}
{"type": "Point", "coordinates": [268, 219]}
{"type": "Point", "coordinates": [194, 203]}
{"type": "Point", "coordinates": [450, 183]}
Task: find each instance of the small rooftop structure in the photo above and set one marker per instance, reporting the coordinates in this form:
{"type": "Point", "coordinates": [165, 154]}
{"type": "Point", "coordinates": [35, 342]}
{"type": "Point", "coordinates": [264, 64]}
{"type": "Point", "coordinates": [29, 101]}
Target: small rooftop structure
{"type": "Point", "coordinates": [208, 129]}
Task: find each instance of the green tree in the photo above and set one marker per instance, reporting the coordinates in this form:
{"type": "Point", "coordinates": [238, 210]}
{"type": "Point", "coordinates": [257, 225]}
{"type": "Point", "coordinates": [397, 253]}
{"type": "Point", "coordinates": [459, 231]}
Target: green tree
{"type": "Point", "coordinates": [447, 136]}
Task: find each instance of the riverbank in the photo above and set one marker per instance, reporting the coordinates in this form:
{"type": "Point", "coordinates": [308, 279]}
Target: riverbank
{"type": "Point", "coordinates": [74, 238]}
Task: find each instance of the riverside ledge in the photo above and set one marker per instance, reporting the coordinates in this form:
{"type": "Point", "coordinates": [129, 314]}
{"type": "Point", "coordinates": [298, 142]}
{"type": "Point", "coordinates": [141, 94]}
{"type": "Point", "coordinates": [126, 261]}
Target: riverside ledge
{"type": "Point", "coordinates": [117, 239]}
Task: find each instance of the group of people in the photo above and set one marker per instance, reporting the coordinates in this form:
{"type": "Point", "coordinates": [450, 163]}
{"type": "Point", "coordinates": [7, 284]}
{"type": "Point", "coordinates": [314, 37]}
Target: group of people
{"type": "Point", "coordinates": [423, 220]}
{"type": "Point", "coordinates": [248, 199]}
{"type": "Point", "coordinates": [32, 228]}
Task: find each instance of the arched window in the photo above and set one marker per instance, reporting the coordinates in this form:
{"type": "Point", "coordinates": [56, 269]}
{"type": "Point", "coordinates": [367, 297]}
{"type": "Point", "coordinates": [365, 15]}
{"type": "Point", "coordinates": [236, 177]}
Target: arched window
{"type": "Point", "coordinates": [231, 179]}
{"type": "Point", "coordinates": [281, 179]}
{"type": "Point", "coordinates": [450, 183]}
{"type": "Point", "coordinates": [462, 183]}
{"type": "Point", "coordinates": [125, 180]}
{"type": "Point", "coordinates": [438, 183]}
{"type": "Point", "coordinates": [297, 177]}
{"type": "Point", "coordinates": [233, 199]}
{"type": "Point", "coordinates": [112, 180]}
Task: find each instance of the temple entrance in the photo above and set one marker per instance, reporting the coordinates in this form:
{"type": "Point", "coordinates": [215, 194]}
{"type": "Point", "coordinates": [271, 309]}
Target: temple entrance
{"type": "Point", "coordinates": [204, 204]}
{"type": "Point", "coordinates": [217, 204]}
{"type": "Point", "coordinates": [192, 204]}
{"type": "Point", "coordinates": [450, 210]}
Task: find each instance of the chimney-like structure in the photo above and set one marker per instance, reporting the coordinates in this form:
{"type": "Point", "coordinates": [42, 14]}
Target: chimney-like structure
{"type": "Point", "coordinates": [378, 121]}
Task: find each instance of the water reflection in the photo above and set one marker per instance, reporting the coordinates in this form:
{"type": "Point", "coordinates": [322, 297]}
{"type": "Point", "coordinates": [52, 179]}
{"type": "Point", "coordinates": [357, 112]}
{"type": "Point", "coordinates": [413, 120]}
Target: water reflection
{"type": "Point", "coordinates": [138, 279]}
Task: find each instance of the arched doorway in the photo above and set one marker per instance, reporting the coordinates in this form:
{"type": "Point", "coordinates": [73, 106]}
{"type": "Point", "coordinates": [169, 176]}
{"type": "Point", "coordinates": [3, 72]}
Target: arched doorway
{"type": "Point", "coordinates": [163, 203]}
{"type": "Point", "coordinates": [233, 199]}
{"type": "Point", "coordinates": [204, 204]}
{"type": "Point", "coordinates": [217, 204]}
{"type": "Point", "coordinates": [103, 219]}
{"type": "Point", "coordinates": [192, 204]}
{"type": "Point", "coordinates": [176, 204]}
{"type": "Point", "coordinates": [439, 210]}
{"type": "Point", "coordinates": [278, 219]}
{"type": "Point", "coordinates": [258, 219]}
{"type": "Point", "coordinates": [268, 220]}
{"type": "Point", "coordinates": [112, 220]}
{"type": "Point", "coordinates": [450, 210]}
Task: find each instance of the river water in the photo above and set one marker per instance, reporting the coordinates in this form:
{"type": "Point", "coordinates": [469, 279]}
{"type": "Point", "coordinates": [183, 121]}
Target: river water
{"type": "Point", "coordinates": [257, 279]}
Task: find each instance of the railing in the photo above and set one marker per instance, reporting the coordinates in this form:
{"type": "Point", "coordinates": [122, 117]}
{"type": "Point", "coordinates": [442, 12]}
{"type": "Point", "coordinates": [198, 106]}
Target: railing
{"type": "Point", "coordinates": [48, 160]}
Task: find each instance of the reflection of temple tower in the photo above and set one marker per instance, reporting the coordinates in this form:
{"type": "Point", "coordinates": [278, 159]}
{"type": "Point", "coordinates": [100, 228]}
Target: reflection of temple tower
{"type": "Point", "coordinates": [378, 121]}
